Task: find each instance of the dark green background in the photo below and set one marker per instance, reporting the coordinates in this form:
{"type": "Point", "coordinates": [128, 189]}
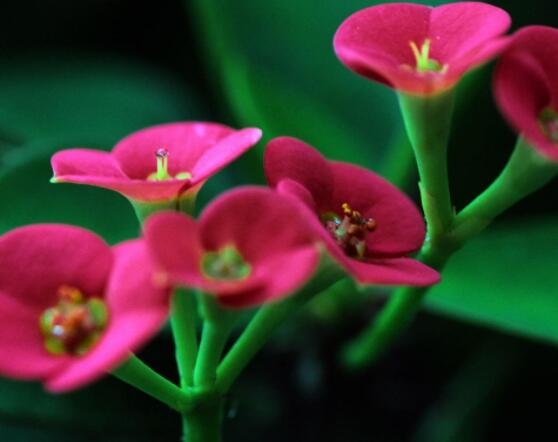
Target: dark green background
{"type": "Point", "coordinates": [88, 73]}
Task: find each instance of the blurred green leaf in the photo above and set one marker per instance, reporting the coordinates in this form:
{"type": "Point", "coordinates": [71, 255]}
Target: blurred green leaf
{"type": "Point", "coordinates": [29, 198]}
{"type": "Point", "coordinates": [95, 100]}
{"type": "Point", "coordinates": [506, 279]}
{"type": "Point", "coordinates": [276, 68]}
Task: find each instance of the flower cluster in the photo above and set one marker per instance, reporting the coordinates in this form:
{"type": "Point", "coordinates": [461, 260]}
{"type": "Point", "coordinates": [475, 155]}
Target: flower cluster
{"type": "Point", "coordinates": [81, 307]}
{"type": "Point", "coordinates": [75, 308]}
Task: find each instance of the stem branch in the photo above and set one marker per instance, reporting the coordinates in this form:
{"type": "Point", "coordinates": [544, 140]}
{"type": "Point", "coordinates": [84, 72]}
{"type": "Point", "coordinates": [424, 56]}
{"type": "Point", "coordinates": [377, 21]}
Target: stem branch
{"type": "Point", "coordinates": [141, 376]}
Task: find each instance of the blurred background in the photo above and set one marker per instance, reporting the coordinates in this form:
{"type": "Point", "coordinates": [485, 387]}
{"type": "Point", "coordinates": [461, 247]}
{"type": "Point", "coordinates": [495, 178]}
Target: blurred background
{"type": "Point", "coordinates": [480, 361]}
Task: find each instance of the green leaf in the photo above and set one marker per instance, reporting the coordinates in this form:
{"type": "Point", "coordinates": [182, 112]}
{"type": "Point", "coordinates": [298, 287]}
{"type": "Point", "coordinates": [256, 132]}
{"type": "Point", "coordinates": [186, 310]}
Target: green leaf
{"type": "Point", "coordinates": [28, 198]}
{"type": "Point", "coordinates": [506, 279]}
{"type": "Point", "coordinates": [95, 100]}
{"type": "Point", "coordinates": [288, 80]}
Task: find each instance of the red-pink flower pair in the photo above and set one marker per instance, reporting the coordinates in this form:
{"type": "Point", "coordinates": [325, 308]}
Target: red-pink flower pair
{"type": "Point", "coordinates": [73, 308]}
{"type": "Point", "coordinates": [424, 51]}
{"type": "Point", "coordinates": [264, 245]}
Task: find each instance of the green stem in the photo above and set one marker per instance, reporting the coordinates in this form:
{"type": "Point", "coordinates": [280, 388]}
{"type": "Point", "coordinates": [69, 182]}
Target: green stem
{"type": "Point", "coordinates": [203, 423]}
{"type": "Point", "coordinates": [139, 375]}
{"type": "Point", "coordinates": [525, 173]}
{"type": "Point", "coordinates": [428, 121]}
{"type": "Point", "coordinates": [216, 329]}
{"type": "Point", "coordinates": [254, 337]}
{"type": "Point", "coordinates": [183, 323]}
{"type": "Point", "coordinates": [395, 316]}
{"type": "Point", "coordinates": [266, 321]}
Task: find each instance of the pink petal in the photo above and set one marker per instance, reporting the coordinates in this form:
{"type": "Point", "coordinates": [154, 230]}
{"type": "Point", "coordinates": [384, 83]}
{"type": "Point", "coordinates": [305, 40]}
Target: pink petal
{"type": "Point", "coordinates": [273, 234]}
{"type": "Point", "coordinates": [22, 352]}
{"type": "Point", "coordinates": [475, 57]}
{"type": "Point", "coordinates": [298, 191]}
{"type": "Point", "coordinates": [174, 243]}
{"type": "Point", "coordinates": [36, 260]}
{"type": "Point", "coordinates": [460, 29]}
{"type": "Point", "coordinates": [385, 30]}
{"type": "Point", "coordinates": [400, 226]}
{"type": "Point", "coordinates": [137, 310]}
{"type": "Point", "coordinates": [289, 158]}
{"type": "Point", "coordinates": [284, 274]}
{"type": "Point", "coordinates": [85, 162]}
{"type": "Point", "coordinates": [185, 143]}
{"type": "Point", "coordinates": [224, 152]}
{"type": "Point", "coordinates": [133, 283]}
{"type": "Point", "coordinates": [258, 221]}
{"type": "Point", "coordinates": [392, 271]}
{"type": "Point", "coordinates": [525, 83]}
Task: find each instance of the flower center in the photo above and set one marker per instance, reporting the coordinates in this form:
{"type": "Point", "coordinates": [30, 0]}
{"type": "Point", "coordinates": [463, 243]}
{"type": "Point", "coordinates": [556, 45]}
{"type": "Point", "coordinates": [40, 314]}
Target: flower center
{"type": "Point", "coordinates": [162, 172]}
{"type": "Point", "coordinates": [74, 324]}
{"type": "Point", "coordinates": [548, 119]}
{"type": "Point", "coordinates": [225, 264]}
{"type": "Point", "coordinates": [350, 231]}
{"type": "Point", "coordinates": [423, 61]}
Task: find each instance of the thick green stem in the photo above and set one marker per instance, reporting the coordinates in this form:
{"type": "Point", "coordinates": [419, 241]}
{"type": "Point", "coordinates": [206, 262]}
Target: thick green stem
{"type": "Point", "coordinates": [428, 121]}
{"type": "Point", "coordinates": [139, 375]}
{"type": "Point", "coordinates": [217, 325]}
{"type": "Point", "coordinates": [203, 423]}
{"type": "Point", "coordinates": [183, 323]}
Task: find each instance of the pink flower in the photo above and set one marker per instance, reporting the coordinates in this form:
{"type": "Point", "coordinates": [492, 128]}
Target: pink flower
{"type": "Point", "coordinates": [72, 308]}
{"type": "Point", "coordinates": [159, 163]}
{"type": "Point", "coordinates": [526, 87]}
{"type": "Point", "coordinates": [250, 246]}
{"type": "Point", "coordinates": [367, 224]}
{"type": "Point", "coordinates": [417, 49]}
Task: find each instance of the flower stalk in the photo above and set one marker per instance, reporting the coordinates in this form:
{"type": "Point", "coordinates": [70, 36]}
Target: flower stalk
{"type": "Point", "coordinates": [183, 323]}
{"type": "Point", "coordinates": [525, 172]}
{"type": "Point", "coordinates": [217, 325]}
{"type": "Point", "coordinates": [266, 321]}
{"type": "Point", "coordinates": [142, 377]}
{"type": "Point", "coordinates": [427, 122]}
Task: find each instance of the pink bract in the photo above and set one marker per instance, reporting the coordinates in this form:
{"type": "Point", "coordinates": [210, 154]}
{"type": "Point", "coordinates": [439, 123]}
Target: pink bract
{"type": "Point", "coordinates": [200, 149]}
{"type": "Point", "coordinates": [526, 84]}
{"type": "Point", "coordinates": [263, 226]}
{"type": "Point", "coordinates": [35, 261]}
{"type": "Point", "coordinates": [297, 169]}
{"type": "Point", "coordinates": [376, 42]}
